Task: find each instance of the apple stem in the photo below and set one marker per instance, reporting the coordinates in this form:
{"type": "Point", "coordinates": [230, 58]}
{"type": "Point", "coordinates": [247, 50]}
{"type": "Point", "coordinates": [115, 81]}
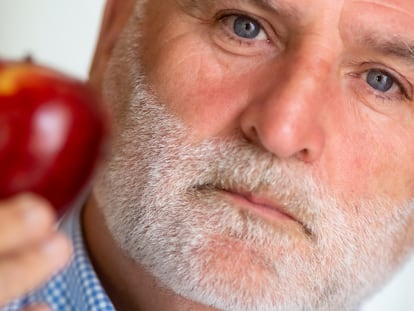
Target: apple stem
{"type": "Point", "coordinates": [28, 59]}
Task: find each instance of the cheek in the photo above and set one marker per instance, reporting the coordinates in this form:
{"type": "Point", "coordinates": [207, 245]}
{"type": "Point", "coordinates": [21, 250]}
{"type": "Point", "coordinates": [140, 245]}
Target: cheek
{"type": "Point", "coordinates": [203, 92]}
{"type": "Point", "coordinates": [198, 83]}
{"type": "Point", "coordinates": [374, 160]}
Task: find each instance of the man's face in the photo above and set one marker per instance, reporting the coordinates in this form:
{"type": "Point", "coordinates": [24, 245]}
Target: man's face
{"type": "Point", "coordinates": [263, 149]}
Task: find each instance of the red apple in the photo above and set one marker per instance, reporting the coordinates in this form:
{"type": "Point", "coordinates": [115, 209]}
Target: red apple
{"type": "Point", "coordinates": [53, 130]}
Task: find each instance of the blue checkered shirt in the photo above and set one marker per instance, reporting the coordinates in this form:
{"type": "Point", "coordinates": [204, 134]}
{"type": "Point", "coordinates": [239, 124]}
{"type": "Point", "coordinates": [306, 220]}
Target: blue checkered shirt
{"type": "Point", "coordinates": [77, 287]}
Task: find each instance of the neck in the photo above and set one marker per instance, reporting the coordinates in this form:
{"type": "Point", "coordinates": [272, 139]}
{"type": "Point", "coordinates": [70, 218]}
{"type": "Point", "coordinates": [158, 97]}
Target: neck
{"type": "Point", "coordinates": [128, 285]}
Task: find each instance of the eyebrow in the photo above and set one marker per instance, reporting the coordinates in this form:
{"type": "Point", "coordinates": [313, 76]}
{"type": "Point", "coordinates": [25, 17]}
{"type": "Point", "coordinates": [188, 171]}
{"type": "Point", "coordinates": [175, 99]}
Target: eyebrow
{"type": "Point", "coordinates": [273, 6]}
{"type": "Point", "coordinates": [392, 46]}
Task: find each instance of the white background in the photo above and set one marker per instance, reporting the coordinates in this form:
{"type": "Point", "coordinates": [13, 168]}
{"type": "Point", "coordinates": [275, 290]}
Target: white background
{"type": "Point", "coordinates": [62, 33]}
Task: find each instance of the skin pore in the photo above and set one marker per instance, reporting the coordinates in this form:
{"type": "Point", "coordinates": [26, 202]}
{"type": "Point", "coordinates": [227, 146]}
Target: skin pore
{"type": "Point", "coordinates": [262, 155]}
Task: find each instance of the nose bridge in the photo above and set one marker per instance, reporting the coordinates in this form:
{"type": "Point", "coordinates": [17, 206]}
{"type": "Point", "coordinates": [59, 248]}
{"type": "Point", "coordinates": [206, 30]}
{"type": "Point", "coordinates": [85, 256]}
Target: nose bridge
{"type": "Point", "coordinates": [298, 94]}
{"type": "Point", "coordinates": [299, 84]}
{"type": "Point", "coordinates": [288, 116]}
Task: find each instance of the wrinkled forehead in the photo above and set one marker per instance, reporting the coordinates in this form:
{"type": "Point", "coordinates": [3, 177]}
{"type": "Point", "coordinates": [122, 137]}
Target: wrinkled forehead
{"type": "Point", "coordinates": [388, 10]}
{"type": "Point", "coordinates": [373, 20]}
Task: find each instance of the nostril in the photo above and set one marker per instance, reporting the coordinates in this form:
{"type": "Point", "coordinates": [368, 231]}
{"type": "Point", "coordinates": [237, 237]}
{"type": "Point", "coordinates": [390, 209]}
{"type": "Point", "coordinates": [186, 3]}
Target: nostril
{"type": "Point", "coordinates": [303, 155]}
{"type": "Point", "coordinates": [252, 135]}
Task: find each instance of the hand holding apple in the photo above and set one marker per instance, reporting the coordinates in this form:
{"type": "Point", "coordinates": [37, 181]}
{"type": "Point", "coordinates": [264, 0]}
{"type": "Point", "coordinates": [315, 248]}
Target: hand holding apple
{"type": "Point", "coordinates": [53, 129]}
{"type": "Point", "coordinates": [31, 250]}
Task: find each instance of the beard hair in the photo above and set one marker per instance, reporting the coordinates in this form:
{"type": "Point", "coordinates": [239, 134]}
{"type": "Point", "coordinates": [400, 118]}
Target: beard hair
{"type": "Point", "coordinates": [162, 198]}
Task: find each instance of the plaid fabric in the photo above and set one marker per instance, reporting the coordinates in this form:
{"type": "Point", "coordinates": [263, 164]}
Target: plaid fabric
{"type": "Point", "coordinates": [77, 287]}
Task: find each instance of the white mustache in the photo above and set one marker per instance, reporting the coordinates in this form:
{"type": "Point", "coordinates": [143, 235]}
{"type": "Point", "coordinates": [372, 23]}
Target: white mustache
{"type": "Point", "coordinates": [235, 165]}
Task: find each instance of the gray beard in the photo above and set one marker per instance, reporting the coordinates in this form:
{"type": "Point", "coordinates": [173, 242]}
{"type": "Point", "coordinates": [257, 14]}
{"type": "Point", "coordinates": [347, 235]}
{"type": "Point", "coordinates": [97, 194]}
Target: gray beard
{"type": "Point", "coordinates": [161, 195]}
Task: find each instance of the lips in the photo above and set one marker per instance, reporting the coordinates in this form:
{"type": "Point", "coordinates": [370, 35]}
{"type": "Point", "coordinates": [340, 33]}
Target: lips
{"type": "Point", "coordinates": [267, 204]}
{"type": "Point", "coordinates": [264, 207]}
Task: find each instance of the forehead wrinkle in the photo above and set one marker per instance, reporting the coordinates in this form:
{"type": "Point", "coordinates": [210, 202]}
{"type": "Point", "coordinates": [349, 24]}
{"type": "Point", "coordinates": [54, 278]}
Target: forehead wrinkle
{"type": "Point", "coordinates": [386, 5]}
{"type": "Point", "coordinates": [388, 37]}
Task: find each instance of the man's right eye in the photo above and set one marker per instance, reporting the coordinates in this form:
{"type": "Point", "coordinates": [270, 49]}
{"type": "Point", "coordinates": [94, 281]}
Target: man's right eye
{"type": "Point", "coordinates": [242, 34]}
{"type": "Point", "coordinates": [244, 27]}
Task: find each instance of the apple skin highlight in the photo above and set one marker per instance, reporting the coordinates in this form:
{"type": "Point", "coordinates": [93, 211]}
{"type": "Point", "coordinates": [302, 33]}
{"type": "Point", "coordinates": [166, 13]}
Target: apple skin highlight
{"type": "Point", "coordinates": [53, 131]}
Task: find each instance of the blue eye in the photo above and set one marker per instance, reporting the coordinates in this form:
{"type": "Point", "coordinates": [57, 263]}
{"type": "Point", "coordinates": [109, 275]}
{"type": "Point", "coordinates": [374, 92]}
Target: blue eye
{"type": "Point", "coordinates": [380, 80]}
{"type": "Point", "coordinates": [246, 27]}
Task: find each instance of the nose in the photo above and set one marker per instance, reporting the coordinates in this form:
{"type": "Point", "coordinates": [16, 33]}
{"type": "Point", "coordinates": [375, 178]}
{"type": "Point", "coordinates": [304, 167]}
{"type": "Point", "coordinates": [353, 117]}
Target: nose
{"type": "Point", "coordinates": [286, 114]}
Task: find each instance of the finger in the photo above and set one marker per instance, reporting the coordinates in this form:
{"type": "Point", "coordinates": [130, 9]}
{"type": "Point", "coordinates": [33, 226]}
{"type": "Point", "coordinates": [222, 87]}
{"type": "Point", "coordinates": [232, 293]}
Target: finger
{"type": "Point", "coordinates": [24, 219]}
{"type": "Point", "coordinates": [38, 307]}
{"type": "Point", "coordinates": [25, 271]}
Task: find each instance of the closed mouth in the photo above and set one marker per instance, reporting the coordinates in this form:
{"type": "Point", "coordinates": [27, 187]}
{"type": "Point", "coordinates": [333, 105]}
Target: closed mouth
{"type": "Point", "coordinates": [264, 207]}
